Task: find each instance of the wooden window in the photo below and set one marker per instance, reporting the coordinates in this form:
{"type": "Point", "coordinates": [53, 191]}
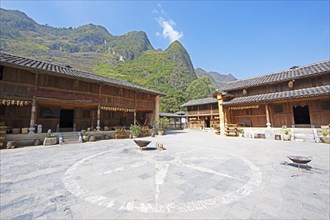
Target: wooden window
{"type": "Point", "coordinates": [1, 72]}
{"type": "Point", "coordinates": [317, 81]}
{"type": "Point", "coordinates": [279, 88]}
{"type": "Point", "coordinates": [278, 108]}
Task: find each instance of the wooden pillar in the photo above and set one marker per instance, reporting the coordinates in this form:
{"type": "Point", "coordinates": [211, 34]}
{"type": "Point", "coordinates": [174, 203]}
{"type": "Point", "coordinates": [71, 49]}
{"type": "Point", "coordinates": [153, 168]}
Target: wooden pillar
{"type": "Point", "coordinates": [157, 108]}
{"type": "Point", "coordinates": [225, 115]}
{"type": "Point", "coordinates": [268, 124]}
{"type": "Point", "coordinates": [221, 114]}
{"type": "Point", "coordinates": [98, 117]}
{"type": "Point", "coordinates": [98, 122]}
{"type": "Point", "coordinates": [33, 115]}
{"type": "Point", "coordinates": [134, 116]}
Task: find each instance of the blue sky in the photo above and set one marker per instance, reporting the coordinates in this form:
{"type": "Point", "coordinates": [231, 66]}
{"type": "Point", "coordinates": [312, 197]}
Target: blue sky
{"type": "Point", "coordinates": [243, 38]}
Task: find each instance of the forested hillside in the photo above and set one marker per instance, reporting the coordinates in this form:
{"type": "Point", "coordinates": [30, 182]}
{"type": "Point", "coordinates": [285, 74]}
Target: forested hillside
{"type": "Point", "coordinates": [129, 57]}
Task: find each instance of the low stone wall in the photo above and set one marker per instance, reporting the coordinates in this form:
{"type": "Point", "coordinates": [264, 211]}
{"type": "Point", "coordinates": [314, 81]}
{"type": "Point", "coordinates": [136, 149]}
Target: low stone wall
{"type": "Point", "coordinates": [296, 134]}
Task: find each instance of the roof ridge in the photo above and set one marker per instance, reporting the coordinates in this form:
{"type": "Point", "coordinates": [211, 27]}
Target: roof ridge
{"type": "Point", "coordinates": [39, 60]}
{"type": "Point", "coordinates": [278, 72]}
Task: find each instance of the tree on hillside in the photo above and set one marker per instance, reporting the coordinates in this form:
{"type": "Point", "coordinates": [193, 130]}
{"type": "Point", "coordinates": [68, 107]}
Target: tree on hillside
{"type": "Point", "coordinates": [200, 88]}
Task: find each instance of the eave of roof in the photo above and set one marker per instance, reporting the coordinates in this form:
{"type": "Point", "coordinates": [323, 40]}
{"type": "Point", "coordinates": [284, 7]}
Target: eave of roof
{"type": "Point", "coordinates": [200, 102]}
{"type": "Point", "coordinates": [292, 94]}
{"type": "Point", "coordinates": [33, 64]}
{"type": "Point", "coordinates": [171, 115]}
{"type": "Point", "coordinates": [301, 72]}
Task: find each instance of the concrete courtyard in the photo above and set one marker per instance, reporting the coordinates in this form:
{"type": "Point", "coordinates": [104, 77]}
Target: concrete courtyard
{"type": "Point", "coordinates": [200, 176]}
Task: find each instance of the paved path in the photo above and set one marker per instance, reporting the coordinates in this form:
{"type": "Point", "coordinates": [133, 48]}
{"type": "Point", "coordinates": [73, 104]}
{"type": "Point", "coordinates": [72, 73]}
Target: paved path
{"type": "Point", "coordinates": [199, 176]}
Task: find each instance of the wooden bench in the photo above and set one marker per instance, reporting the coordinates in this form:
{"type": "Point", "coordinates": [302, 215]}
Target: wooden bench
{"type": "Point", "coordinates": [231, 130]}
{"type": "Point", "coordinates": [120, 133]}
{"type": "Point", "coordinates": [246, 123]}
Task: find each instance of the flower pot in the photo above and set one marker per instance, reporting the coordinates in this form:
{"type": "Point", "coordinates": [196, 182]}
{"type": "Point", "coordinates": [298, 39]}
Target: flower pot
{"type": "Point", "coordinates": [286, 137]}
{"type": "Point", "coordinates": [161, 132]}
{"type": "Point", "coordinates": [85, 138]}
{"type": "Point", "coordinates": [325, 139]}
{"type": "Point", "coordinates": [50, 141]}
{"type": "Point", "coordinates": [92, 138]}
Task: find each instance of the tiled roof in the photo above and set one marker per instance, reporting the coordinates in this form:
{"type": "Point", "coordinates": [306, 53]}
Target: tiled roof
{"type": "Point", "coordinates": [286, 95]}
{"type": "Point", "coordinates": [171, 115]}
{"type": "Point", "coordinates": [34, 64]}
{"type": "Point", "coordinates": [314, 69]}
{"type": "Point", "coordinates": [200, 102]}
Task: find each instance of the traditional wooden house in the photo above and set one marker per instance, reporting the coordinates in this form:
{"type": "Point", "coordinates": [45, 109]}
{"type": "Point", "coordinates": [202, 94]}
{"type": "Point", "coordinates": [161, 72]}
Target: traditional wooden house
{"type": "Point", "coordinates": [298, 97]}
{"type": "Point", "coordinates": [177, 120]}
{"type": "Point", "coordinates": [34, 92]}
{"type": "Point", "coordinates": [202, 113]}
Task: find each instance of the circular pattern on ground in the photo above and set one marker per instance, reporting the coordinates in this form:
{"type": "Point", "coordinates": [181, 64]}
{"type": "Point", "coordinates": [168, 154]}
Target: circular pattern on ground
{"type": "Point", "coordinates": [162, 181]}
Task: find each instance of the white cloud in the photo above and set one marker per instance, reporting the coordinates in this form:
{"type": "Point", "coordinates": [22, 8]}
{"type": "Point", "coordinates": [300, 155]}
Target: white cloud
{"type": "Point", "coordinates": [167, 25]}
{"type": "Point", "coordinates": [168, 29]}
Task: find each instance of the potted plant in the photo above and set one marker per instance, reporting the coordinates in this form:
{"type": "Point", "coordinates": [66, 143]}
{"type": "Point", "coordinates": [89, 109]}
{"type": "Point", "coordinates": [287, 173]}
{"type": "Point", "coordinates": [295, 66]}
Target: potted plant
{"type": "Point", "coordinates": [162, 124]}
{"type": "Point", "coordinates": [84, 134]}
{"type": "Point", "coordinates": [325, 136]}
{"type": "Point", "coordinates": [240, 132]}
{"type": "Point", "coordinates": [286, 135]}
{"type": "Point", "coordinates": [161, 131]}
{"type": "Point", "coordinates": [135, 130]}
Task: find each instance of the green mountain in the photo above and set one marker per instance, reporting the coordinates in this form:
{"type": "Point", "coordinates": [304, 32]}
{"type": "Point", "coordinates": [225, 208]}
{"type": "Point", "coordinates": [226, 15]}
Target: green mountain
{"type": "Point", "coordinates": [216, 78]}
{"type": "Point", "coordinates": [129, 57]}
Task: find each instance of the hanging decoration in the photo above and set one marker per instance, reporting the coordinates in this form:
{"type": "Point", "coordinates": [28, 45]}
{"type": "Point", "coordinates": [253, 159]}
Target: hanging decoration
{"type": "Point", "coordinates": [290, 84]}
{"type": "Point", "coordinates": [243, 107]}
{"type": "Point", "coordinates": [108, 108]}
{"type": "Point", "coordinates": [9, 102]}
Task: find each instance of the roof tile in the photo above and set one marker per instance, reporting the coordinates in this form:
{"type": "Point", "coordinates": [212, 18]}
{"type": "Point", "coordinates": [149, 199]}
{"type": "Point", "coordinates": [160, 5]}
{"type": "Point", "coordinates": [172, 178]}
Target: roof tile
{"type": "Point", "coordinates": [313, 69]}
{"type": "Point", "coordinates": [200, 102]}
{"type": "Point", "coordinates": [298, 93]}
{"type": "Point", "coordinates": [37, 64]}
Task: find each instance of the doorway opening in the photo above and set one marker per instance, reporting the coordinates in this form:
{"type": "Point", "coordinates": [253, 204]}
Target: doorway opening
{"type": "Point", "coordinates": [66, 119]}
{"type": "Point", "coordinates": [301, 114]}
{"type": "Point", "coordinates": [207, 122]}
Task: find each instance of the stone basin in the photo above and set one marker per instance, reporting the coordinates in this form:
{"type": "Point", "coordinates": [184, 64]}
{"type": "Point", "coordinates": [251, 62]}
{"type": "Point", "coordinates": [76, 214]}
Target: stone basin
{"type": "Point", "coordinates": [300, 159]}
{"type": "Point", "coordinates": [142, 143]}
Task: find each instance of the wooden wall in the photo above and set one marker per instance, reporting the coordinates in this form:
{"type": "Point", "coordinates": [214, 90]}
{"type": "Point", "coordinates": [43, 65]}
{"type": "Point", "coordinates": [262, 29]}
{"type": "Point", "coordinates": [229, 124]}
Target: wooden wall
{"type": "Point", "coordinates": [281, 113]}
{"type": "Point", "coordinates": [319, 112]}
{"type": "Point", "coordinates": [256, 115]}
{"type": "Point", "coordinates": [59, 92]}
{"type": "Point", "coordinates": [16, 116]}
